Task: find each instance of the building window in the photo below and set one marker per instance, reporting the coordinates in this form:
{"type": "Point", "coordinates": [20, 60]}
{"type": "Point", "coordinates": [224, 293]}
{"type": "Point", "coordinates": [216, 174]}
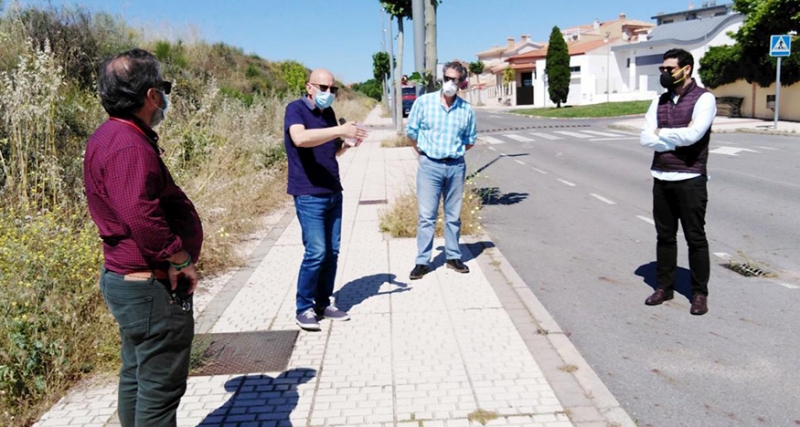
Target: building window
{"type": "Point", "coordinates": [575, 69]}
{"type": "Point", "coordinates": [628, 63]}
{"type": "Point", "coordinates": [667, 21]}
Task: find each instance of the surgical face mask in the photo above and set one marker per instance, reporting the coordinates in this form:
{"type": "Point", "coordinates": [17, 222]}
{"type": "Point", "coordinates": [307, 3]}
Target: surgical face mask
{"type": "Point", "coordinates": [670, 81]}
{"type": "Point", "coordinates": [161, 112]}
{"type": "Point", "coordinates": [449, 88]}
{"type": "Point", "coordinates": [323, 100]}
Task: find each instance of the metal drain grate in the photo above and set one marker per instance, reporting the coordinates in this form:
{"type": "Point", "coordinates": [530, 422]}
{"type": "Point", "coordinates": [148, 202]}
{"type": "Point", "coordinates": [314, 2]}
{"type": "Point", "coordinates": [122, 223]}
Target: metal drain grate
{"type": "Point", "coordinates": [373, 202]}
{"type": "Point", "coordinates": [247, 352]}
{"type": "Point", "coordinates": [746, 269]}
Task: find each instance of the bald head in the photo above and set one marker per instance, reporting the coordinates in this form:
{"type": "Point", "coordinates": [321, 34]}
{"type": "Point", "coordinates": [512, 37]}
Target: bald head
{"type": "Point", "coordinates": [321, 76]}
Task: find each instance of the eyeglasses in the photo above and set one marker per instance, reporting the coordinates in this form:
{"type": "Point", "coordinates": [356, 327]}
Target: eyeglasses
{"type": "Point", "coordinates": [164, 86]}
{"type": "Point", "coordinates": [667, 69]}
{"type": "Point", "coordinates": [325, 88]}
{"type": "Point", "coordinates": [451, 79]}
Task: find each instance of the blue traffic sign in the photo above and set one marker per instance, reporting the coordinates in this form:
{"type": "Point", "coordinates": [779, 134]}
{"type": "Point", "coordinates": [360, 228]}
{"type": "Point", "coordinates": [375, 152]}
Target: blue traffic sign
{"type": "Point", "coordinates": [780, 45]}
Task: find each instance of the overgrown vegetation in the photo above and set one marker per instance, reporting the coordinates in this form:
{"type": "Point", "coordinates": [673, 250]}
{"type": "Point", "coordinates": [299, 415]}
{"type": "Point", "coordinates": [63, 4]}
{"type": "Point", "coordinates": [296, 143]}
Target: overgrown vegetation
{"type": "Point", "coordinates": [223, 142]}
{"type": "Point", "coordinates": [606, 109]}
{"type": "Point", "coordinates": [400, 219]}
{"type": "Point", "coordinates": [396, 142]}
{"type": "Point", "coordinates": [749, 57]}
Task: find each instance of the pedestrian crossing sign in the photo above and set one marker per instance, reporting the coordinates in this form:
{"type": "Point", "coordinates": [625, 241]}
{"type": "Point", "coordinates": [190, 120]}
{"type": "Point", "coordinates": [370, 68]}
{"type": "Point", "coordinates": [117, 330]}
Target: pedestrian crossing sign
{"type": "Point", "coordinates": [780, 45]}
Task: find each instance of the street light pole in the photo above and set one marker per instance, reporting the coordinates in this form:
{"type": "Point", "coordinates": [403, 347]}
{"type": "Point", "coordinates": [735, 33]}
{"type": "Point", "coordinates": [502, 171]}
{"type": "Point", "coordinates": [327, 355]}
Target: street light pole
{"type": "Point", "coordinates": [608, 71]}
{"type": "Point", "coordinates": [391, 70]}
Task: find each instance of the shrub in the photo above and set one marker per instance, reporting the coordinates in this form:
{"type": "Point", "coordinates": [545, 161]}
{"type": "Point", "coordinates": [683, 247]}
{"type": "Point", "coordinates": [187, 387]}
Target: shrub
{"type": "Point", "coordinates": [400, 219]}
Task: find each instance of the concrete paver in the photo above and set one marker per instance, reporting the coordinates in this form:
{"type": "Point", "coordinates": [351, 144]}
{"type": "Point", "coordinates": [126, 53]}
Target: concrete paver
{"type": "Point", "coordinates": [429, 352]}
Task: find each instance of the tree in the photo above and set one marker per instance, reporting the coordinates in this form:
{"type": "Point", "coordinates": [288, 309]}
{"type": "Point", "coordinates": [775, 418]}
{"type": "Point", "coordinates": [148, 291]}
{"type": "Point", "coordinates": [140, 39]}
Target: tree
{"type": "Point", "coordinates": [381, 69]}
{"type": "Point", "coordinates": [431, 53]}
{"type": "Point", "coordinates": [558, 72]}
{"type": "Point", "coordinates": [750, 55]}
{"type": "Point", "coordinates": [371, 88]}
{"type": "Point", "coordinates": [476, 68]}
{"type": "Point", "coordinates": [399, 10]}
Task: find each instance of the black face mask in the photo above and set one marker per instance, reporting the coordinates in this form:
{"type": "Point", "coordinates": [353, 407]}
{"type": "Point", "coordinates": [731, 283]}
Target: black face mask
{"type": "Point", "coordinates": [670, 81]}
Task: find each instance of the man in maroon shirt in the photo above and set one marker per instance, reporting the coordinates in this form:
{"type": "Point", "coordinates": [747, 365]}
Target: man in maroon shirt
{"type": "Point", "coordinates": [151, 239]}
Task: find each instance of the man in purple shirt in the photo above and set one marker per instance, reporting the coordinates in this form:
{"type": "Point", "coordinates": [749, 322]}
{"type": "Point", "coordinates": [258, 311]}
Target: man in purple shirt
{"type": "Point", "coordinates": [313, 139]}
{"type": "Point", "coordinates": [151, 236]}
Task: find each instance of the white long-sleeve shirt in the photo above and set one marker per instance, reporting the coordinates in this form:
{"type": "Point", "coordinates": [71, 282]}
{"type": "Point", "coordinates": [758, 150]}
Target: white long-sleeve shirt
{"type": "Point", "coordinates": [671, 138]}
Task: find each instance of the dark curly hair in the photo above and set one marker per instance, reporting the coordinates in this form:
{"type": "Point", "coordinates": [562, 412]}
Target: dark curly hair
{"type": "Point", "coordinates": [124, 80]}
{"type": "Point", "coordinates": [456, 66]}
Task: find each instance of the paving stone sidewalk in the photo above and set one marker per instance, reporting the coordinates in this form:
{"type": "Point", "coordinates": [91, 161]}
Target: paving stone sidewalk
{"type": "Point", "coordinates": [436, 352]}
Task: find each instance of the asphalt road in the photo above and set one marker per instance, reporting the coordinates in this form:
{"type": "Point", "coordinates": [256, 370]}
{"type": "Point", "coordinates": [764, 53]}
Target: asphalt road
{"type": "Point", "coordinates": [570, 207]}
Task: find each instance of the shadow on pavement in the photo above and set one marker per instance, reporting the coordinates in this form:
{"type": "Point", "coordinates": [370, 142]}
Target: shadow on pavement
{"type": "Point", "coordinates": [683, 279]}
{"type": "Point", "coordinates": [492, 196]}
{"type": "Point", "coordinates": [260, 398]}
{"type": "Point", "coordinates": [357, 291]}
{"type": "Point", "coordinates": [474, 251]}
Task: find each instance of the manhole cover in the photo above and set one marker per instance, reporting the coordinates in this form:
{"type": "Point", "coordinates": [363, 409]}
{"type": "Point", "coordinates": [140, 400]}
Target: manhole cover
{"type": "Point", "coordinates": [246, 352]}
{"type": "Point", "coordinates": [372, 202]}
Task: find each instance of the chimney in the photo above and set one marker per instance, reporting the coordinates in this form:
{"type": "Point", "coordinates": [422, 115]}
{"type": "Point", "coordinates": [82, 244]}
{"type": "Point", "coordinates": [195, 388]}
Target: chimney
{"type": "Point", "coordinates": [525, 38]}
{"type": "Point", "coordinates": [622, 16]}
{"type": "Point", "coordinates": [510, 43]}
{"type": "Point", "coordinates": [596, 24]}
{"type": "Point", "coordinates": [691, 5]}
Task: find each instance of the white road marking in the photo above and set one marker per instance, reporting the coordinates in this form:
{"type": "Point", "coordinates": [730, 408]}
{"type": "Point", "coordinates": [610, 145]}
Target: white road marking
{"type": "Point", "coordinates": [540, 171]}
{"type": "Point", "coordinates": [603, 199]}
{"type": "Point", "coordinates": [520, 162]}
{"type": "Point", "coordinates": [566, 182]}
{"type": "Point", "coordinates": [519, 138]}
{"type": "Point", "coordinates": [495, 117]}
{"type": "Point", "coordinates": [646, 219]}
{"type": "Point", "coordinates": [493, 149]}
{"type": "Point", "coordinates": [767, 148]}
{"type": "Point", "coordinates": [492, 140]}
{"type": "Point", "coordinates": [544, 135]}
{"type": "Point", "coordinates": [615, 139]}
{"type": "Point", "coordinates": [573, 134]}
{"type": "Point", "coordinates": [722, 255]}
{"type": "Point", "coordinates": [594, 132]}
{"type": "Point", "coordinates": [731, 151]}
{"type": "Point", "coordinates": [788, 286]}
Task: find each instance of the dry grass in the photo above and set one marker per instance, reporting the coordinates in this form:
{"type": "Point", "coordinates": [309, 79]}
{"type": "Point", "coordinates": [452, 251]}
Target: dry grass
{"type": "Point", "coordinates": [482, 416]}
{"type": "Point", "coordinates": [568, 368]}
{"type": "Point", "coordinates": [226, 154]}
{"type": "Point", "coordinates": [400, 219]}
{"type": "Point", "coordinates": [396, 142]}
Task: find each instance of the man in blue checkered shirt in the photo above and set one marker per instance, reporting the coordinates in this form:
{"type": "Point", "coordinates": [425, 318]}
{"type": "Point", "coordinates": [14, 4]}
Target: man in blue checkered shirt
{"type": "Point", "coordinates": [441, 127]}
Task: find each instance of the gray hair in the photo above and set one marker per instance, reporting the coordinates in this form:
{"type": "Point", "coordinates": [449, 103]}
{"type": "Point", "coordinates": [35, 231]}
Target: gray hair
{"type": "Point", "coordinates": [456, 66]}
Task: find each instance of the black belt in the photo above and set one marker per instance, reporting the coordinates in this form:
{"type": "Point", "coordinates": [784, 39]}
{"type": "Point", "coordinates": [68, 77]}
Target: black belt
{"type": "Point", "coordinates": [446, 159]}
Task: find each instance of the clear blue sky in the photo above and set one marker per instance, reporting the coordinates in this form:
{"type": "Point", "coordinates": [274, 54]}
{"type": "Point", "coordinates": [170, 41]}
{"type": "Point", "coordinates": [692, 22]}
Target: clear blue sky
{"type": "Point", "coordinates": [342, 35]}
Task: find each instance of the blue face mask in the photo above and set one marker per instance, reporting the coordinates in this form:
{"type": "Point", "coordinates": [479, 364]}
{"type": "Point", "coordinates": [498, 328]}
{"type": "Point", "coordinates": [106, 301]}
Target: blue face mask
{"type": "Point", "coordinates": [324, 100]}
{"type": "Point", "coordinates": [161, 112]}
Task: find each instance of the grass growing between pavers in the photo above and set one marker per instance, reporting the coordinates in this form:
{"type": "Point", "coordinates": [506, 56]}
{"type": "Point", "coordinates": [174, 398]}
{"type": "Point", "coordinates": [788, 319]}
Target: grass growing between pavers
{"type": "Point", "coordinates": [568, 368]}
{"type": "Point", "coordinates": [606, 109]}
{"type": "Point", "coordinates": [198, 358]}
{"type": "Point", "coordinates": [400, 219]}
{"type": "Point", "coordinates": [482, 417]}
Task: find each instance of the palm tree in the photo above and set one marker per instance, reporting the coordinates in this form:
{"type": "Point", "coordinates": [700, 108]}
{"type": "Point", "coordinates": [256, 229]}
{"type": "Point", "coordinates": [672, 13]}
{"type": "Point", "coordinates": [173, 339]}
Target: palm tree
{"type": "Point", "coordinates": [476, 68]}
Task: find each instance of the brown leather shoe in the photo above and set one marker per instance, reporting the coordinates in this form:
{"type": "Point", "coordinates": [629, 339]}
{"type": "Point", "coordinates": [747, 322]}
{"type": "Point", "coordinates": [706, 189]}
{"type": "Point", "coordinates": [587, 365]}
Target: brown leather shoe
{"type": "Point", "coordinates": [659, 296]}
{"type": "Point", "coordinates": [699, 305]}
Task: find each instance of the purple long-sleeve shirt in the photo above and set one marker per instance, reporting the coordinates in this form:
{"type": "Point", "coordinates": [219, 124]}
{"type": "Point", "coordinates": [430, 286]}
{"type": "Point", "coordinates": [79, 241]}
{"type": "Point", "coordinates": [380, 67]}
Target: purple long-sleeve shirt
{"type": "Point", "coordinates": [142, 216]}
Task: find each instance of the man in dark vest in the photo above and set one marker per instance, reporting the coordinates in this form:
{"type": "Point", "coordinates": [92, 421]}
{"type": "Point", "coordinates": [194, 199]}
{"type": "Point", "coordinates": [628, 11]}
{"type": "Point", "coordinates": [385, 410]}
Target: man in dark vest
{"type": "Point", "coordinates": [678, 127]}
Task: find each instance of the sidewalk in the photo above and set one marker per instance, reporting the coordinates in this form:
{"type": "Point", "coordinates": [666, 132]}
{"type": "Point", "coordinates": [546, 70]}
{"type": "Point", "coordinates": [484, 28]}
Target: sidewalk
{"type": "Point", "coordinates": [727, 124]}
{"type": "Point", "coordinates": [430, 352]}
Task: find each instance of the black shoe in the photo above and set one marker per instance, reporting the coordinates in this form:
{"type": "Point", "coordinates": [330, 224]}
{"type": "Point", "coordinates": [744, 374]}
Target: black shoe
{"type": "Point", "coordinates": [457, 265]}
{"type": "Point", "coordinates": [419, 271]}
{"type": "Point", "coordinates": [659, 297]}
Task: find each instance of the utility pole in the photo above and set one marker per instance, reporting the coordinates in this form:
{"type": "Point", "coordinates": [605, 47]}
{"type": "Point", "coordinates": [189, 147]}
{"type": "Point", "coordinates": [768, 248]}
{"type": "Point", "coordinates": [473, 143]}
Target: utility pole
{"type": "Point", "coordinates": [391, 69]}
{"type": "Point", "coordinates": [418, 16]}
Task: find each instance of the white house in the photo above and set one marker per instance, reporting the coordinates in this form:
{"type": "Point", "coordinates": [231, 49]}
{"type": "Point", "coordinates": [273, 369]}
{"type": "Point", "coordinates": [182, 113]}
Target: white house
{"type": "Point", "coordinates": [693, 30]}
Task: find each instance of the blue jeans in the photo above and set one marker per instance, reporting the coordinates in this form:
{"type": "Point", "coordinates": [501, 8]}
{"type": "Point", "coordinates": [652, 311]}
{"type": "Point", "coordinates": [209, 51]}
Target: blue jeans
{"type": "Point", "coordinates": [321, 221]}
{"type": "Point", "coordinates": [435, 179]}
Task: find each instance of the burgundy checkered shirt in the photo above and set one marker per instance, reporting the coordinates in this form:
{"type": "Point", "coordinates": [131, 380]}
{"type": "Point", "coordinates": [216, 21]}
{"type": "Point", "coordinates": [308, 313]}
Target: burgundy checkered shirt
{"type": "Point", "coordinates": [142, 216]}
